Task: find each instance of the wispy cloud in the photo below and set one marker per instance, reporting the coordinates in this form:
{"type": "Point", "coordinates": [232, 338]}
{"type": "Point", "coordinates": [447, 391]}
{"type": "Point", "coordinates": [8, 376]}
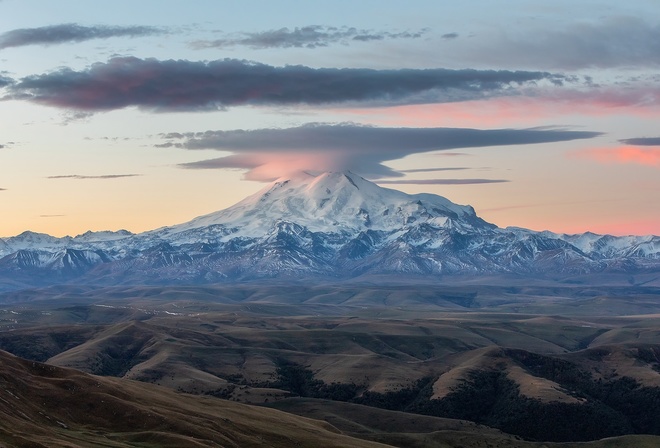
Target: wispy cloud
{"type": "Point", "coordinates": [510, 207]}
{"type": "Point", "coordinates": [181, 85]}
{"type": "Point", "coordinates": [51, 216]}
{"type": "Point", "coordinates": [429, 170]}
{"type": "Point", "coordinates": [312, 36]}
{"type": "Point", "coordinates": [442, 181]}
{"type": "Point", "coordinates": [612, 42]}
{"type": "Point", "coordinates": [505, 208]}
{"type": "Point", "coordinates": [70, 32]}
{"type": "Point", "coordinates": [270, 153]}
{"type": "Point", "coordinates": [103, 176]}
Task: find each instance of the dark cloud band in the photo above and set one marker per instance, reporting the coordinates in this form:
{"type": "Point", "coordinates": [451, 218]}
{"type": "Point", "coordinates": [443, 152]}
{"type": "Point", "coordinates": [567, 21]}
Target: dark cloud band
{"type": "Point", "coordinates": [70, 32]}
{"type": "Point", "coordinates": [443, 181]}
{"type": "Point", "coordinates": [430, 170]}
{"type": "Point", "coordinates": [181, 85]}
{"type": "Point", "coordinates": [642, 141]}
{"type": "Point", "coordinates": [376, 140]}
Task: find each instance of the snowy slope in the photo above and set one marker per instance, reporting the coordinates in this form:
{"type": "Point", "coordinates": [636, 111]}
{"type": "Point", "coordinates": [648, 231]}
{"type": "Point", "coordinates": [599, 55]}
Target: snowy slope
{"type": "Point", "coordinates": [606, 246]}
{"type": "Point", "coordinates": [333, 225]}
{"type": "Point", "coordinates": [40, 242]}
{"type": "Point", "coordinates": [330, 202]}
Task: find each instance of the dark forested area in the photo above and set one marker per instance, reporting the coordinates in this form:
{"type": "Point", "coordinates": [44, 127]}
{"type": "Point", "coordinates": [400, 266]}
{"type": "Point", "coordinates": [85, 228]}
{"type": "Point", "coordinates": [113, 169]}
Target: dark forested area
{"type": "Point", "coordinates": [607, 408]}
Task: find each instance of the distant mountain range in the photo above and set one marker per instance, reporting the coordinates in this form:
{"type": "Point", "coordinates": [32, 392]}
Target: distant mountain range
{"type": "Point", "coordinates": [333, 226]}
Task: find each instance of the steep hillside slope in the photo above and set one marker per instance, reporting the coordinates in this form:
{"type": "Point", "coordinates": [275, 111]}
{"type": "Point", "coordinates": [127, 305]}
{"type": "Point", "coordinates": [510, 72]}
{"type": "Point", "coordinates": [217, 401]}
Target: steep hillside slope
{"type": "Point", "coordinates": [47, 406]}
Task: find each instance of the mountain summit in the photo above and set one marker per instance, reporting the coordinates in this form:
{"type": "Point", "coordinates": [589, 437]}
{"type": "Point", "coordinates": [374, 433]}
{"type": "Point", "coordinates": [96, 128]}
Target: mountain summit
{"type": "Point", "coordinates": [333, 202]}
{"type": "Point", "coordinates": [333, 225]}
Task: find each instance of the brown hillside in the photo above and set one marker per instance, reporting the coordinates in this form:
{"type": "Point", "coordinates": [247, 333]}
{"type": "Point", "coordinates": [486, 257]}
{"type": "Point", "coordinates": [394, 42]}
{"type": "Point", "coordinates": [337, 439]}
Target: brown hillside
{"type": "Point", "coordinates": [47, 406]}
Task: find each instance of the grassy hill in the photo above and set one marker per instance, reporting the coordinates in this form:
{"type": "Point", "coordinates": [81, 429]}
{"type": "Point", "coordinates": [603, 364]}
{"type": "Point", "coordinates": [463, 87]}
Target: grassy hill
{"type": "Point", "coordinates": [47, 406]}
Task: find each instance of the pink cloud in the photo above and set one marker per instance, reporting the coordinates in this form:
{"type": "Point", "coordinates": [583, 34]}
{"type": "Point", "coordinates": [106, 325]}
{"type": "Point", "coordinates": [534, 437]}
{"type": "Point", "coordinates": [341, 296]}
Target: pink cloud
{"type": "Point", "coordinates": [622, 154]}
{"type": "Point", "coordinates": [529, 109]}
{"type": "Point", "coordinates": [270, 167]}
{"type": "Point", "coordinates": [266, 167]}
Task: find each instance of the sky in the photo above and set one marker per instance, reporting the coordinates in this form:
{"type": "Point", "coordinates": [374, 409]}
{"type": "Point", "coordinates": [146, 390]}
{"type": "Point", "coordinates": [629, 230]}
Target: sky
{"type": "Point", "coordinates": [137, 115]}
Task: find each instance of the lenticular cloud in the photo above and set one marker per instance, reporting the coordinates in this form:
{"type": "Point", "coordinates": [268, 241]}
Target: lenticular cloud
{"type": "Point", "coordinates": [269, 153]}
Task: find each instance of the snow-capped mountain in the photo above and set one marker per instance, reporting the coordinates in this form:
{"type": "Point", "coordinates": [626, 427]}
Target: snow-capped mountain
{"type": "Point", "coordinates": [332, 225]}
{"type": "Point", "coordinates": [328, 203]}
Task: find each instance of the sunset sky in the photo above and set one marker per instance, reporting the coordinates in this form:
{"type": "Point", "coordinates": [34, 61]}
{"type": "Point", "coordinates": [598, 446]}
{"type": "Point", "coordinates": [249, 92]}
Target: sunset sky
{"type": "Point", "coordinates": [136, 115]}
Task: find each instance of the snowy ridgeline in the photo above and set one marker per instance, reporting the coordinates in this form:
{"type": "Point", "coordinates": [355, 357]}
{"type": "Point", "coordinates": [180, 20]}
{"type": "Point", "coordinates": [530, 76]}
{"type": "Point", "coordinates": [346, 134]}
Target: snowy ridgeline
{"type": "Point", "coordinates": [333, 224]}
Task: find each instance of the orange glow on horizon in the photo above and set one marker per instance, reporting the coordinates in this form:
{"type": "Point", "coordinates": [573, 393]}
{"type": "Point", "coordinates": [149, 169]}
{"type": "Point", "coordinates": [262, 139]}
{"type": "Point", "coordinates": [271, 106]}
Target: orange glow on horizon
{"type": "Point", "coordinates": [622, 154]}
{"type": "Point", "coordinates": [623, 228]}
{"type": "Point", "coordinates": [570, 225]}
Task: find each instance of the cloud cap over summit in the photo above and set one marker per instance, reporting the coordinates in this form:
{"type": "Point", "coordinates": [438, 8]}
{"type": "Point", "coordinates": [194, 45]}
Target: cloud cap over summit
{"type": "Point", "coordinates": [347, 146]}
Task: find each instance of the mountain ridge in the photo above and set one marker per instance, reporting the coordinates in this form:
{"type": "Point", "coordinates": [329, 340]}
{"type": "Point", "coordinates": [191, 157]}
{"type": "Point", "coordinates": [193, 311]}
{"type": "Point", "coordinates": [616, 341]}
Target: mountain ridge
{"type": "Point", "coordinates": [333, 225]}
